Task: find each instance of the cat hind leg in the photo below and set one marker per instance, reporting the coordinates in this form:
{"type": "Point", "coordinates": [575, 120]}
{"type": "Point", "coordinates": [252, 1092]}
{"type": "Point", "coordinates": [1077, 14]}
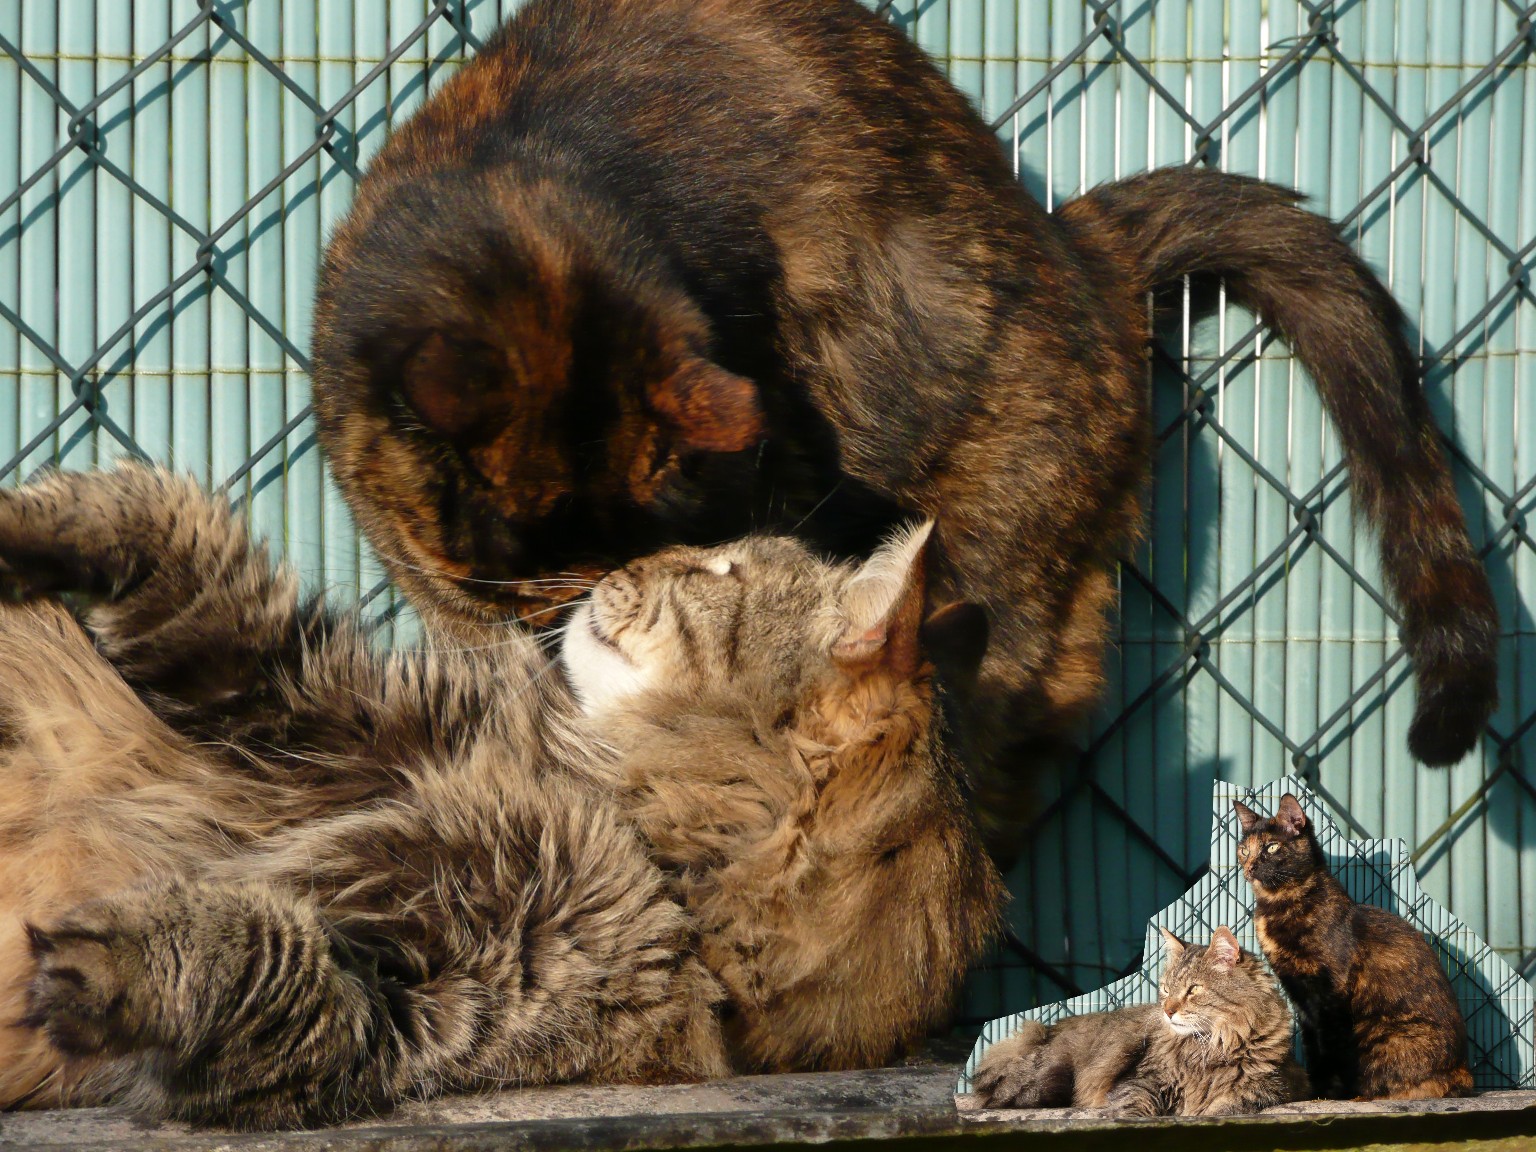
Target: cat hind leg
{"type": "Point", "coordinates": [1016, 1073]}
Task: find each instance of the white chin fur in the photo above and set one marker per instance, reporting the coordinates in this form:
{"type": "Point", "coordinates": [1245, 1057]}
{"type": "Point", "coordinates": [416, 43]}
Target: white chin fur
{"type": "Point", "coordinates": [1180, 1027]}
{"type": "Point", "coordinates": [599, 676]}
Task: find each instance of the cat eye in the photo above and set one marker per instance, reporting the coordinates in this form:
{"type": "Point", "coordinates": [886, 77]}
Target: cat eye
{"type": "Point", "coordinates": [1272, 849]}
{"type": "Point", "coordinates": [1242, 853]}
{"type": "Point", "coordinates": [1195, 989]}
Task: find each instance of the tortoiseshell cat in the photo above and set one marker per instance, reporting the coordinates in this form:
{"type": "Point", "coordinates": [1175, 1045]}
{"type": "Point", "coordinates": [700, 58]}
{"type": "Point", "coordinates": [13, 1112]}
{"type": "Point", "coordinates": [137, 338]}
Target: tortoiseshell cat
{"type": "Point", "coordinates": [275, 877]}
{"type": "Point", "coordinates": [1217, 1043]}
{"type": "Point", "coordinates": [1378, 1015]}
{"type": "Point", "coordinates": [649, 271]}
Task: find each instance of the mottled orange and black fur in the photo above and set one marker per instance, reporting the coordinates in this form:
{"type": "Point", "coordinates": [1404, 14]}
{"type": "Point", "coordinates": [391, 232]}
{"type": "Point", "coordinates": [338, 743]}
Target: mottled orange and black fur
{"type": "Point", "coordinates": [1217, 1043]}
{"type": "Point", "coordinates": [1378, 1016]}
{"type": "Point", "coordinates": [648, 271]}
{"type": "Point", "coordinates": [257, 872]}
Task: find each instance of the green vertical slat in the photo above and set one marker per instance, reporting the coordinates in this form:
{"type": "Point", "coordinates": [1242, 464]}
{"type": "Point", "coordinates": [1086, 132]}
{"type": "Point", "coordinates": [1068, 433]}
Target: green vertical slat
{"type": "Point", "coordinates": [264, 269]}
{"type": "Point", "coordinates": [302, 480]}
{"type": "Point", "coordinates": [229, 327]}
{"type": "Point", "coordinates": [1000, 74]}
{"type": "Point", "coordinates": [407, 75]}
{"type": "Point", "coordinates": [114, 224]}
{"type": "Point", "coordinates": [339, 46]}
{"type": "Point", "coordinates": [77, 226]}
{"type": "Point", "coordinates": [190, 381]}
{"type": "Point", "coordinates": [151, 422]}
{"type": "Point", "coordinates": [1030, 123]}
{"type": "Point", "coordinates": [967, 50]}
{"type": "Point", "coordinates": [11, 127]}
{"type": "Point", "coordinates": [38, 240]}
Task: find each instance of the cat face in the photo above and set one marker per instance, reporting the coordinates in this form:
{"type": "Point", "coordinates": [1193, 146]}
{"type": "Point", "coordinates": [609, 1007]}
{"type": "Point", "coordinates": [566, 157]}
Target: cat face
{"type": "Point", "coordinates": [1218, 992]}
{"type": "Point", "coordinates": [761, 618]}
{"type": "Point", "coordinates": [1279, 850]}
{"type": "Point", "coordinates": [513, 399]}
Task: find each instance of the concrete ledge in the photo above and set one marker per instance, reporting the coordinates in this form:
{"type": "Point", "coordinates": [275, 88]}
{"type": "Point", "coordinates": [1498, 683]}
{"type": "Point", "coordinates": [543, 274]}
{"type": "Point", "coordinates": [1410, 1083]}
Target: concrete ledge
{"type": "Point", "coordinates": [910, 1107]}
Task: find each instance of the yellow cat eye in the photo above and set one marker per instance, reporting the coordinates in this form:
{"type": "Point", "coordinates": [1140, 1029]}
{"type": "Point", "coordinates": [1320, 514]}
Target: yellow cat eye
{"type": "Point", "coordinates": [1242, 853]}
{"type": "Point", "coordinates": [1194, 989]}
{"type": "Point", "coordinates": [1272, 849]}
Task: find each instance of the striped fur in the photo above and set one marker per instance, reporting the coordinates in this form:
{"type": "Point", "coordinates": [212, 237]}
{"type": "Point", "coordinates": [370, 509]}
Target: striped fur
{"type": "Point", "coordinates": [1218, 1043]}
{"type": "Point", "coordinates": [275, 877]}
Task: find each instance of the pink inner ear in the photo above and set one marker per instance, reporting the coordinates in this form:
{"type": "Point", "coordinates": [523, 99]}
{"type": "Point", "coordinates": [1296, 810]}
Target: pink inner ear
{"type": "Point", "coordinates": [1225, 949]}
{"type": "Point", "coordinates": [710, 409]}
{"type": "Point", "coordinates": [1290, 815]}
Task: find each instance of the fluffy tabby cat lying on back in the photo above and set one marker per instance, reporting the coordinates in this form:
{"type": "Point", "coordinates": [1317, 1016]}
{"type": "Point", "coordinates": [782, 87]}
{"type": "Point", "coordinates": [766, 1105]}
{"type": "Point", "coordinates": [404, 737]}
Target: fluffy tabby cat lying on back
{"type": "Point", "coordinates": [1218, 1042]}
{"type": "Point", "coordinates": [650, 271]}
{"type": "Point", "coordinates": [274, 877]}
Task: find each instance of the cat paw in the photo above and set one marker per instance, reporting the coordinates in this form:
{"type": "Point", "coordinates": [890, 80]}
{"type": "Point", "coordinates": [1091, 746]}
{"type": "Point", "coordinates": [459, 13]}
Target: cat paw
{"type": "Point", "coordinates": [85, 994]}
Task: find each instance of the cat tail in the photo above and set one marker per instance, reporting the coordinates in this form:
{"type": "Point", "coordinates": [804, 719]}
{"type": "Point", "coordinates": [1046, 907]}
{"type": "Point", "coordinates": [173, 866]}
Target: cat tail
{"type": "Point", "coordinates": [1293, 268]}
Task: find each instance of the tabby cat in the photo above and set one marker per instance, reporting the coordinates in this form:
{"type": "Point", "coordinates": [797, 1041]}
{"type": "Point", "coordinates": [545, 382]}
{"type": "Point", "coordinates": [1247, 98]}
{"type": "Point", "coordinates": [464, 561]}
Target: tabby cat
{"type": "Point", "coordinates": [650, 271]}
{"type": "Point", "coordinates": [1218, 1042]}
{"type": "Point", "coordinates": [274, 877]}
{"type": "Point", "coordinates": [1378, 1016]}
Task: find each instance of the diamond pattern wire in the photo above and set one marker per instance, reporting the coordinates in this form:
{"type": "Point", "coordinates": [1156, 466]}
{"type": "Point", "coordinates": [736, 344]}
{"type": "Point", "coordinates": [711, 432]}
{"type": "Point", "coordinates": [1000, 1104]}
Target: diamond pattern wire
{"type": "Point", "coordinates": [1494, 1000]}
{"type": "Point", "coordinates": [1175, 646]}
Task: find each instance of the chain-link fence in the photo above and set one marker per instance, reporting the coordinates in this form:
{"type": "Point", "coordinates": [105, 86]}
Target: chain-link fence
{"type": "Point", "coordinates": [168, 170]}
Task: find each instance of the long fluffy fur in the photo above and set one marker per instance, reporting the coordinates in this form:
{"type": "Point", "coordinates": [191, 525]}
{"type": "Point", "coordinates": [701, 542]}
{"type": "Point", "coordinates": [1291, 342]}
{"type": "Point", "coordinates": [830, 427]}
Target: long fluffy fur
{"type": "Point", "coordinates": [282, 878]}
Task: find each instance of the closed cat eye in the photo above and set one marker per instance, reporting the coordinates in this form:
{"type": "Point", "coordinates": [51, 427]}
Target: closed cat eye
{"type": "Point", "coordinates": [1272, 849]}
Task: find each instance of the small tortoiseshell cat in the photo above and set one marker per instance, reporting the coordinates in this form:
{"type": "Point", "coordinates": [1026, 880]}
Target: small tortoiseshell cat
{"type": "Point", "coordinates": [658, 271]}
{"type": "Point", "coordinates": [1378, 1015]}
{"type": "Point", "coordinates": [255, 872]}
{"type": "Point", "coordinates": [1218, 1042]}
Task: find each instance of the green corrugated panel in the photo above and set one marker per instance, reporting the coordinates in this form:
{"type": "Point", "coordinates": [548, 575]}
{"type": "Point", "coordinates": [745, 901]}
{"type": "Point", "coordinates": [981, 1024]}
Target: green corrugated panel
{"type": "Point", "coordinates": [212, 374]}
{"type": "Point", "coordinates": [1495, 1002]}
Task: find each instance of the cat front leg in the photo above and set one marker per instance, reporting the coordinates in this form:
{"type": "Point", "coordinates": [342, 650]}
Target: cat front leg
{"type": "Point", "coordinates": [225, 1004]}
{"type": "Point", "coordinates": [1137, 1096]}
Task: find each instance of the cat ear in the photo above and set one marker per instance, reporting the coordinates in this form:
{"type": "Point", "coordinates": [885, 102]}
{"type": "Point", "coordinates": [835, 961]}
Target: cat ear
{"type": "Point", "coordinates": [1224, 950]}
{"type": "Point", "coordinates": [708, 408]}
{"type": "Point", "coordinates": [1175, 945]}
{"type": "Point", "coordinates": [452, 385]}
{"type": "Point", "coordinates": [1289, 815]}
{"type": "Point", "coordinates": [955, 639]}
{"type": "Point", "coordinates": [1246, 816]}
{"type": "Point", "coordinates": [883, 605]}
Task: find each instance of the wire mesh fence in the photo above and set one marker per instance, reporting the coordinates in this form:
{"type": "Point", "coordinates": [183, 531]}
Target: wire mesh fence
{"type": "Point", "coordinates": [169, 168]}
